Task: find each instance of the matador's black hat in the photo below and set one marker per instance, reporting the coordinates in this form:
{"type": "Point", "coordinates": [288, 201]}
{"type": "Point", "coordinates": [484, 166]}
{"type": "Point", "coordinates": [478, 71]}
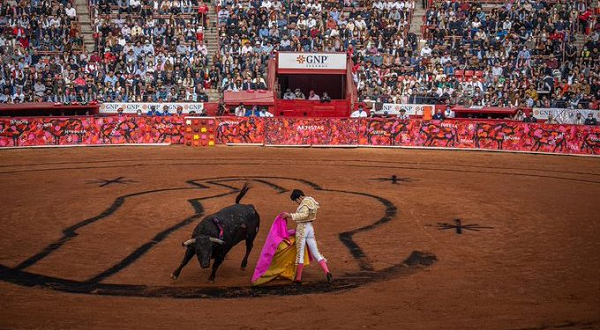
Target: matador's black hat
{"type": "Point", "coordinates": [296, 193]}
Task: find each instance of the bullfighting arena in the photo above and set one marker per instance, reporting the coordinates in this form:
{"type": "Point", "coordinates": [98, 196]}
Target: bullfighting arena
{"type": "Point", "coordinates": [415, 239]}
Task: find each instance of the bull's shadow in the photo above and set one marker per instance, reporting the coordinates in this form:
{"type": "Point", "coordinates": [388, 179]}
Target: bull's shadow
{"type": "Point", "coordinates": [366, 274]}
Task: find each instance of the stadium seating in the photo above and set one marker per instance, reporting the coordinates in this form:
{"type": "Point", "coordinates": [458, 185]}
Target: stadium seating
{"type": "Point", "coordinates": [526, 53]}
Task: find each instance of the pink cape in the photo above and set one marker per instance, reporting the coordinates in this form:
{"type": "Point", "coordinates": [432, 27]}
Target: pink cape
{"type": "Point", "coordinates": [278, 233]}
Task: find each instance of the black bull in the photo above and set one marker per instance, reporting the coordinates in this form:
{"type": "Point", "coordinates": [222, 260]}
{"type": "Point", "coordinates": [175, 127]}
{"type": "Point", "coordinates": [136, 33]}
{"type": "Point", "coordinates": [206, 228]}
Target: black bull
{"type": "Point", "coordinates": [217, 233]}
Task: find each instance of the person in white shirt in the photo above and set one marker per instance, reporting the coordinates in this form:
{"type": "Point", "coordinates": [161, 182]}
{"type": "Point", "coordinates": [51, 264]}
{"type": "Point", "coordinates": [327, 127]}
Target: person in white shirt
{"type": "Point", "coordinates": [54, 21]}
{"type": "Point", "coordinates": [126, 31]}
{"type": "Point", "coordinates": [201, 48]}
{"type": "Point", "coordinates": [445, 59]}
{"type": "Point", "coordinates": [264, 113]}
{"type": "Point", "coordinates": [148, 47]}
{"type": "Point", "coordinates": [289, 95]}
{"type": "Point", "coordinates": [135, 4]}
{"type": "Point", "coordinates": [316, 5]}
{"type": "Point", "coordinates": [476, 83]}
{"type": "Point", "coordinates": [240, 111]}
{"type": "Point", "coordinates": [402, 115]}
{"type": "Point", "coordinates": [267, 4]}
{"type": "Point", "coordinates": [426, 51]}
{"type": "Point", "coordinates": [360, 23]}
{"type": "Point", "coordinates": [247, 48]}
{"type": "Point", "coordinates": [311, 22]}
{"type": "Point", "coordinates": [18, 96]}
{"type": "Point", "coordinates": [313, 97]}
{"type": "Point", "coordinates": [302, 22]}
{"type": "Point", "coordinates": [449, 113]}
{"type": "Point", "coordinates": [360, 113]}
{"type": "Point", "coordinates": [277, 5]}
{"type": "Point", "coordinates": [578, 119]}
{"type": "Point", "coordinates": [70, 11]}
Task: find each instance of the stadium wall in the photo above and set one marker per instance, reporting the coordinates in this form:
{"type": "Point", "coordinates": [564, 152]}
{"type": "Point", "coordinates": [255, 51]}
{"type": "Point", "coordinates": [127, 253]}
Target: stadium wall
{"type": "Point", "coordinates": [463, 134]}
{"type": "Point", "coordinates": [89, 130]}
{"type": "Point", "coordinates": [280, 131]}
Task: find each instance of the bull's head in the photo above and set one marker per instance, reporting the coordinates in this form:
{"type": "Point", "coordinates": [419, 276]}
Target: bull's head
{"type": "Point", "coordinates": [204, 248]}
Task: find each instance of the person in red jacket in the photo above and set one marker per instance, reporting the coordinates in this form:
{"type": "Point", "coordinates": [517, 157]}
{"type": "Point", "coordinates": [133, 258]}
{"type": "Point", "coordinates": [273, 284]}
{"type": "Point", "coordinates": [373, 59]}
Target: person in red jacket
{"type": "Point", "coordinates": [583, 20]}
{"type": "Point", "coordinates": [203, 13]}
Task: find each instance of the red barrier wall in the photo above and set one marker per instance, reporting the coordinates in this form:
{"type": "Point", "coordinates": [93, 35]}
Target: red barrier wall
{"type": "Point", "coordinates": [515, 136]}
{"type": "Point", "coordinates": [36, 131]}
{"type": "Point", "coordinates": [313, 131]}
{"type": "Point", "coordinates": [240, 130]}
{"type": "Point", "coordinates": [490, 135]}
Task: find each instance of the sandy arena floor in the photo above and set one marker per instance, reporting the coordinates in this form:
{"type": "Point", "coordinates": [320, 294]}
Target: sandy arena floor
{"type": "Point", "coordinates": [462, 240]}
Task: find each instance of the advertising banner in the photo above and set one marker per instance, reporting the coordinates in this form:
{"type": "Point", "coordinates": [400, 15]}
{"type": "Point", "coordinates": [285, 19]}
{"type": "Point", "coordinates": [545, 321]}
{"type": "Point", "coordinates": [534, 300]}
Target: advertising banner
{"type": "Point", "coordinates": [132, 108]}
{"type": "Point", "coordinates": [563, 116]}
{"type": "Point", "coordinates": [311, 61]}
{"type": "Point", "coordinates": [393, 109]}
{"type": "Point", "coordinates": [311, 131]}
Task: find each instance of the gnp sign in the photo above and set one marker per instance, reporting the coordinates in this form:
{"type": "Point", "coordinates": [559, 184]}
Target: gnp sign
{"type": "Point", "coordinates": [311, 61]}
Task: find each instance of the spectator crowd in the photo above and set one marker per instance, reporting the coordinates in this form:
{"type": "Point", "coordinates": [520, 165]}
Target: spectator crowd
{"type": "Point", "coordinates": [145, 51]}
{"type": "Point", "coordinates": [520, 54]}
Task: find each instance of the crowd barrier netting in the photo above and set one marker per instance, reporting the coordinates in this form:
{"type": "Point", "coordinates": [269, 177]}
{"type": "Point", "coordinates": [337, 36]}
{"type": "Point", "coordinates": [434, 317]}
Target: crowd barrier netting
{"type": "Point", "coordinates": [466, 134]}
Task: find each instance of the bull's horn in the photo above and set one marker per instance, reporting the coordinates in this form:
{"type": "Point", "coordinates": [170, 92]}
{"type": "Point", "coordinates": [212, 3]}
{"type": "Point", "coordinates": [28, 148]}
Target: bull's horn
{"type": "Point", "coordinates": [216, 240]}
{"type": "Point", "coordinates": [189, 242]}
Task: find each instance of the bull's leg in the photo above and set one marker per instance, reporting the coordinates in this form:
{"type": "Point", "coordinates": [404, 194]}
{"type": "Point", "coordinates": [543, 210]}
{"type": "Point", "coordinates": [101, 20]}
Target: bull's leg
{"type": "Point", "coordinates": [249, 245]}
{"type": "Point", "coordinates": [189, 254]}
{"type": "Point", "coordinates": [216, 264]}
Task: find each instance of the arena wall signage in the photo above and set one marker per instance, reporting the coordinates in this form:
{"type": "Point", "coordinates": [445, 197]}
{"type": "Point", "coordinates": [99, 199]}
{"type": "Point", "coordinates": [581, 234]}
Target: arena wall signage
{"type": "Point", "coordinates": [411, 109]}
{"type": "Point", "coordinates": [488, 135]}
{"type": "Point", "coordinates": [563, 116]}
{"type": "Point", "coordinates": [37, 131]}
{"type": "Point", "coordinates": [311, 61]}
{"type": "Point", "coordinates": [312, 131]}
{"type": "Point", "coordinates": [132, 108]}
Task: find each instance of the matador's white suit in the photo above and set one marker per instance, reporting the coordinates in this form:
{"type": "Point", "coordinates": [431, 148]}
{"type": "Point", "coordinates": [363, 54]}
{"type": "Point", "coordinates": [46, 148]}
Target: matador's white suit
{"type": "Point", "coordinates": [305, 214]}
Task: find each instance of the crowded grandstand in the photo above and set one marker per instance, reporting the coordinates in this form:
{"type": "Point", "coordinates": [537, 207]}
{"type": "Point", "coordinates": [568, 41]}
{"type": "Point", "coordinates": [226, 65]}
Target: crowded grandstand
{"type": "Point", "coordinates": [518, 55]}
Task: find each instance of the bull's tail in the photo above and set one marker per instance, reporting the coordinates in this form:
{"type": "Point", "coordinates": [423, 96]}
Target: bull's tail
{"type": "Point", "coordinates": [242, 193]}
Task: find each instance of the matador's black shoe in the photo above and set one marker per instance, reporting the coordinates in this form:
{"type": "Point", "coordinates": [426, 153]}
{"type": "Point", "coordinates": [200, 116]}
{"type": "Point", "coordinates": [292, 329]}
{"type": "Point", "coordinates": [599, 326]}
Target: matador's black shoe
{"type": "Point", "coordinates": [329, 278]}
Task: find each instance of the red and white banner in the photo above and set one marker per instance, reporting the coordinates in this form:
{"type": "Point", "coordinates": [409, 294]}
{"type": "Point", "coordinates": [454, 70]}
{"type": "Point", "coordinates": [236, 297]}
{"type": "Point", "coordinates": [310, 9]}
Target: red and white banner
{"type": "Point", "coordinates": [132, 108]}
{"type": "Point", "coordinates": [393, 109]}
{"type": "Point", "coordinates": [564, 116]}
{"type": "Point", "coordinates": [311, 61]}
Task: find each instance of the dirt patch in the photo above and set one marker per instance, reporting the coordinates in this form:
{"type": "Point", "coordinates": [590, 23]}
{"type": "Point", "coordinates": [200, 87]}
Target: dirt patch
{"type": "Point", "coordinates": [91, 235]}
